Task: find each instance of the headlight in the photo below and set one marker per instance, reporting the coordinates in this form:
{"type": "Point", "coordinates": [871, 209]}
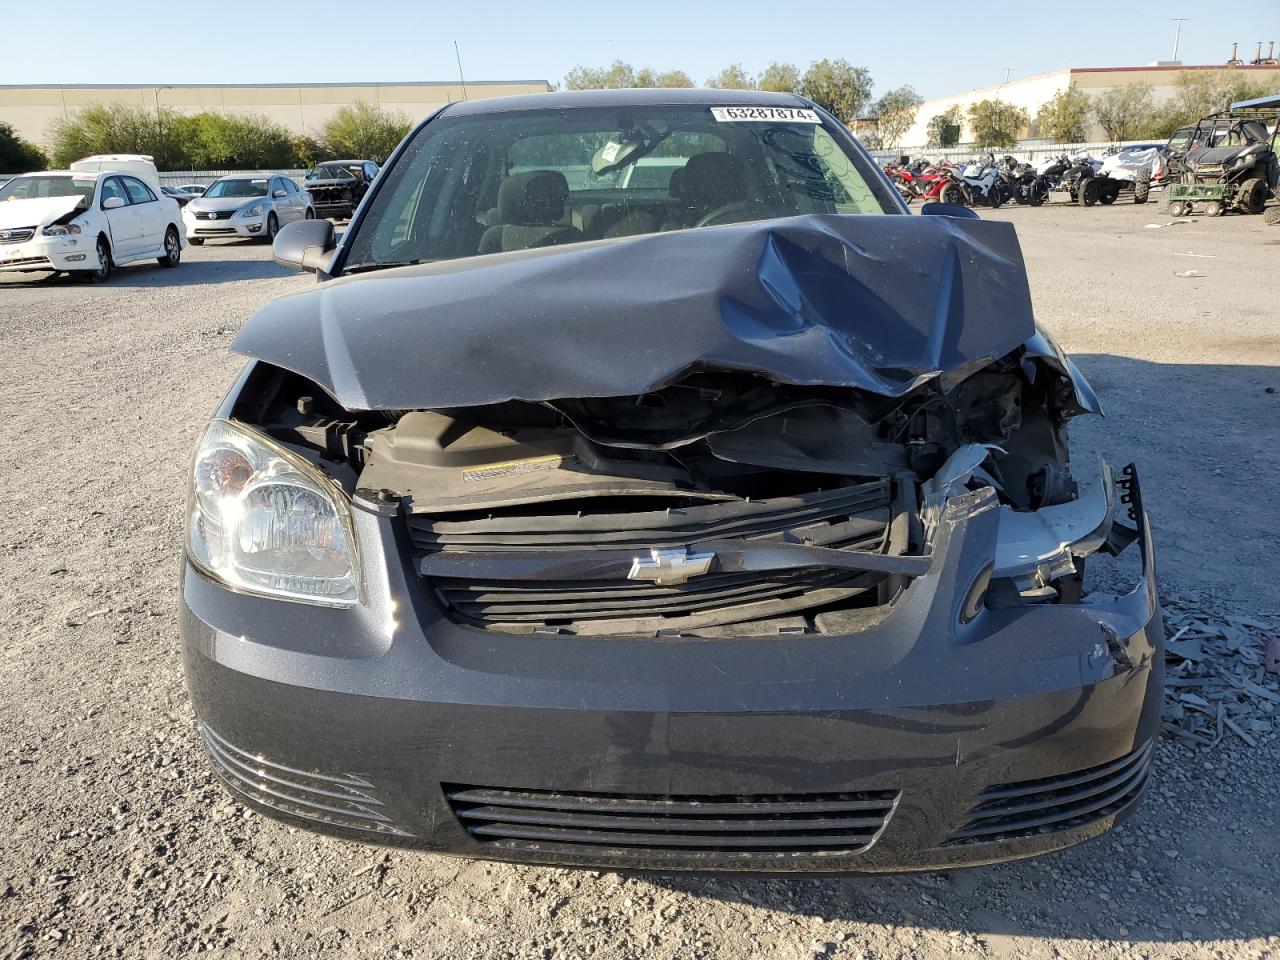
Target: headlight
{"type": "Point", "coordinates": [61, 230]}
{"type": "Point", "coordinates": [263, 520]}
{"type": "Point", "coordinates": [253, 211]}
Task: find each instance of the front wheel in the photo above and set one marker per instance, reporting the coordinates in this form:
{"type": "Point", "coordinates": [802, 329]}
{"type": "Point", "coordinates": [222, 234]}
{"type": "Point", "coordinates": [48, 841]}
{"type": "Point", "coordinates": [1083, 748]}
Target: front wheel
{"type": "Point", "coordinates": [102, 272]}
{"type": "Point", "coordinates": [995, 196]}
{"type": "Point", "coordinates": [1088, 192]}
{"type": "Point", "coordinates": [172, 249]}
{"type": "Point", "coordinates": [310, 214]}
{"type": "Point", "coordinates": [1178, 209]}
{"type": "Point", "coordinates": [273, 227]}
{"type": "Point", "coordinates": [1038, 192]}
{"type": "Point", "coordinates": [951, 193]}
{"type": "Point", "coordinates": [1253, 196]}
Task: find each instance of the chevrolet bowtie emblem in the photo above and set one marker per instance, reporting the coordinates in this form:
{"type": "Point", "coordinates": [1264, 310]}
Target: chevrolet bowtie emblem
{"type": "Point", "coordinates": [670, 567]}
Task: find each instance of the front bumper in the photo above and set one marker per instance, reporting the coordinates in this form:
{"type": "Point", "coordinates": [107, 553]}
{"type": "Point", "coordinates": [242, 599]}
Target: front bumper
{"type": "Point", "coordinates": [221, 229]}
{"type": "Point", "coordinates": [48, 253]}
{"type": "Point", "coordinates": [1020, 732]}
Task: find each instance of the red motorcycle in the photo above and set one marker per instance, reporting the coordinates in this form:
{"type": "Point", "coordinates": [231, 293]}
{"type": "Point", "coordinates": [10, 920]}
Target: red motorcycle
{"type": "Point", "coordinates": [930, 183]}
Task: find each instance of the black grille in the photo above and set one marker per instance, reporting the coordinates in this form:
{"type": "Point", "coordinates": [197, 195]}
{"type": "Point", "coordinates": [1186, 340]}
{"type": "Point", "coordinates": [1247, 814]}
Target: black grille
{"type": "Point", "coordinates": [342, 800]}
{"type": "Point", "coordinates": [214, 214]}
{"type": "Point", "coordinates": [775, 824]}
{"type": "Point", "coordinates": [214, 231]}
{"type": "Point", "coordinates": [849, 517]}
{"type": "Point", "coordinates": [1029, 808]}
{"type": "Point", "coordinates": [17, 234]}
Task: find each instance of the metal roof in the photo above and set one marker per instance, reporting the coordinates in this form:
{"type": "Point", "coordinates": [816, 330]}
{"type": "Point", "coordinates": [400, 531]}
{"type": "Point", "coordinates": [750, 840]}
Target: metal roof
{"type": "Point", "coordinates": [1269, 101]}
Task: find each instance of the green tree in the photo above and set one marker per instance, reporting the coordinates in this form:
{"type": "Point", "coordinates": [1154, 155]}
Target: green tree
{"type": "Point", "coordinates": [895, 114]}
{"type": "Point", "coordinates": [1201, 92]}
{"type": "Point", "coordinates": [780, 78]}
{"type": "Point", "coordinates": [364, 131]}
{"type": "Point", "coordinates": [1062, 117]}
{"type": "Point", "coordinates": [838, 87]}
{"type": "Point", "coordinates": [943, 129]}
{"type": "Point", "coordinates": [114, 128]}
{"type": "Point", "coordinates": [733, 77]}
{"type": "Point", "coordinates": [620, 74]}
{"type": "Point", "coordinates": [308, 151]}
{"type": "Point", "coordinates": [996, 123]}
{"type": "Point", "coordinates": [18, 155]}
{"type": "Point", "coordinates": [236, 142]}
{"type": "Point", "coordinates": [1123, 112]}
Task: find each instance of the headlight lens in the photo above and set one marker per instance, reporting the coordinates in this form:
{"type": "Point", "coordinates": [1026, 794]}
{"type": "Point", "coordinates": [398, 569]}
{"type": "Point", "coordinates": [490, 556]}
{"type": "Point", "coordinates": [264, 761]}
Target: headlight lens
{"type": "Point", "coordinates": [61, 230]}
{"type": "Point", "coordinates": [263, 520]}
{"type": "Point", "coordinates": [252, 211]}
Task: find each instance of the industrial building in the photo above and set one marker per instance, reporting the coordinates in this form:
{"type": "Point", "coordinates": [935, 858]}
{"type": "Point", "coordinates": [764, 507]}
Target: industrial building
{"type": "Point", "coordinates": [302, 108]}
{"type": "Point", "coordinates": [1031, 93]}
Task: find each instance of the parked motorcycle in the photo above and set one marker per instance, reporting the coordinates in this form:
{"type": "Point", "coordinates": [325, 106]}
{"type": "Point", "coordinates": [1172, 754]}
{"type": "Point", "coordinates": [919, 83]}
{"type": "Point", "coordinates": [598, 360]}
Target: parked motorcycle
{"type": "Point", "coordinates": [983, 183]}
{"type": "Point", "coordinates": [1019, 182]}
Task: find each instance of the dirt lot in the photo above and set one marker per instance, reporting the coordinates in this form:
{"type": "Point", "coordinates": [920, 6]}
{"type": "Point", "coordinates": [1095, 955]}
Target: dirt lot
{"type": "Point", "coordinates": [119, 844]}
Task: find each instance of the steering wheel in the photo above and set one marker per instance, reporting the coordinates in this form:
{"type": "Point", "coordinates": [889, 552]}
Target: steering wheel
{"type": "Point", "coordinates": [729, 213]}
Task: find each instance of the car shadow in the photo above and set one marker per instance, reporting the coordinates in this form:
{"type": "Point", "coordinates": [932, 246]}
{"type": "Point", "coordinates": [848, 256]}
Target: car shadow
{"type": "Point", "coordinates": [187, 273]}
{"type": "Point", "coordinates": [1195, 863]}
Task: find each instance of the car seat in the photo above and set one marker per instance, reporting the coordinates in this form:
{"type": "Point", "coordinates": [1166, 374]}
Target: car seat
{"type": "Point", "coordinates": [530, 207]}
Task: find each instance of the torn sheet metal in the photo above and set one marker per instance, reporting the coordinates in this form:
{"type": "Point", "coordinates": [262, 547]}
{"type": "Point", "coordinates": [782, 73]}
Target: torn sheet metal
{"type": "Point", "coordinates": [883, 304]}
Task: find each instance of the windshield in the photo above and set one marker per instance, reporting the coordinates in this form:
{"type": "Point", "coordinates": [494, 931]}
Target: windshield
{"type": "Point", "coordinates": [29, 188]}
{"type": "Point", "coordinates": [331, 172]}
{"type": "Point", "coordinates": [237, 188]}
{"type": "Point", "coordinates": [533, 178]}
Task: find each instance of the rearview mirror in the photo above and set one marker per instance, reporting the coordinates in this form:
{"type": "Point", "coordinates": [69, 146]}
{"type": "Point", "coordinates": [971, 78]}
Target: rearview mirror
{"type": "Point", "coordinates": [113, 203]}
{"type": "Point", "coordinates": [305, 245]}
{"type": "Point", "coordinates": [957, 210]}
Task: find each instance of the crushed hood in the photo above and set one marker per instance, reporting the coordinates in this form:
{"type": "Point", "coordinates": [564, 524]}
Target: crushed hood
{"type": "Point", "coordinates": [878, 303]}
{"type": "Point", "coordinates": [36, 212]}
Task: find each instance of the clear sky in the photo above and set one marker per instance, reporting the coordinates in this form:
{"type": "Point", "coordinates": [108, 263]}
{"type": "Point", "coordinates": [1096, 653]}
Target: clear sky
{"type": "Point", "coordinates": [937, 47]}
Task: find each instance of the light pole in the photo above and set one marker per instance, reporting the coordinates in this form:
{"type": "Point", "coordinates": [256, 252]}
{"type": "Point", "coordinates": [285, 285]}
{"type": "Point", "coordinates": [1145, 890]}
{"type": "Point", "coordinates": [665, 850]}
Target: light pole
{"type": "Point", "coordinates": [157, 93]}
{"type": "Point", "coordinates": [1177, 33]}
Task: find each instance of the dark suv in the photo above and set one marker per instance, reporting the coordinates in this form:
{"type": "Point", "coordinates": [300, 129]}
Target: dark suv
{"type": "Point", "coordinates": [715, 520]}
{"type": "Point", "coordinates": [337, 186]}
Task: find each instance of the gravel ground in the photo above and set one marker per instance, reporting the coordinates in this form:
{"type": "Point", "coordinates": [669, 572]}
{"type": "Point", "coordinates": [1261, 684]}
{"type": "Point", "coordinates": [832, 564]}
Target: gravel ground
{"type": "Point", "coordinates": [121, 845]}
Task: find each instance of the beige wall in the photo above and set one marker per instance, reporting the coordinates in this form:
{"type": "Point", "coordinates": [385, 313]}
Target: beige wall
{"type": "Point", "coordinates": [1032, 92]}
{"type": "Point", "coordinates": [303, 108]}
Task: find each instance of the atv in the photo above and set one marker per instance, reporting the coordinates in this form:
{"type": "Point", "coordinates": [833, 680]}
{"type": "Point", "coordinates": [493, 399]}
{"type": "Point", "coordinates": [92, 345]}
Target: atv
{"type": "Point", "coordinates": [1131, 169]}
{"type": "Point", "coordinates": [1080, 183]}
{"type": "Point", "coordinates": [1231, 162]}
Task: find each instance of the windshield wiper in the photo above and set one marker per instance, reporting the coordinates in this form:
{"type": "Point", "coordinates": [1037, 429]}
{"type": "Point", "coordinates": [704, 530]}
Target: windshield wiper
{"type": "Point", "coordinates": [366, 267]}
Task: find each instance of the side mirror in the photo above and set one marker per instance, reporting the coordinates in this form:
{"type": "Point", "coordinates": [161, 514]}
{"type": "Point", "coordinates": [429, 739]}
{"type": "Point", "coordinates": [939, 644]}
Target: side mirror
{"type": "Point", "coordinates": [280, 194]}
{"type": "Point", "coordinates": [957, 210]}
{"type": "Point", "coordinates": [113, 203]}
{"type": "Point", "coordinates": [304, 245]}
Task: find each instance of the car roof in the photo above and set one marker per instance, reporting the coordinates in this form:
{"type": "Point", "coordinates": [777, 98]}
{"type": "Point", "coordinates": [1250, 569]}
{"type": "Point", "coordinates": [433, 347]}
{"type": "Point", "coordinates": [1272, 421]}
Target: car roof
{"type": "Point", "coordinates": [324, 162]}
{"type": "Point", "coordinates": [649, 96]}
{"type": "Point", "coordinates": [78, 174]}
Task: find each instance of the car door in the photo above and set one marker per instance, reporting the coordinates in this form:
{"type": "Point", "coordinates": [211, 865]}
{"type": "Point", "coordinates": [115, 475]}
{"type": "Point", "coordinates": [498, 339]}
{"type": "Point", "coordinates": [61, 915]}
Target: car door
{"type": "Point", "coordinates": [153, 215]}
{"type": "Point", "coordinates": [123, 223]}
{"type": "Point", "coordinates": [281, 201]}
{"type": "Point", "coordinates": [296, 198]}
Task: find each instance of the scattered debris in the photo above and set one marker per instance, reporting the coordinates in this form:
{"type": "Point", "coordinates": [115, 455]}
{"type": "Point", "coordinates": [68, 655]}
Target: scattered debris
{"type": "Point", "coordinates": [1222, 675]}
{"type": "Point", "coordinates": [1203, 256]}
{"type": "Point", "coordinates": [1189, 273]}
{"type": "Point", "coordinates": [1161, 226]}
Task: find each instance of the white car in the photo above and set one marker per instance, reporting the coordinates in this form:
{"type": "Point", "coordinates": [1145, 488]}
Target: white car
{"type": "Point", "coordinates": [246, 206]}
{"type": "Point", "coordinates": [85, 223]}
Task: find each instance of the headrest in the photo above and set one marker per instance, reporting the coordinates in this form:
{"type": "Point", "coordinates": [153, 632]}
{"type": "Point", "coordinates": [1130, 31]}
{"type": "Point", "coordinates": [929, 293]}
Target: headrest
{"type": "Point", "coordinates": [711, 179]}
{"type": "Point", "coordinates": [676, 185]}
{"type": "Point", "coordinates": [533, 198]}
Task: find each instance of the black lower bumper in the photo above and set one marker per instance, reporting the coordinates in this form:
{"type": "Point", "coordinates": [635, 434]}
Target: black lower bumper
{"type": "Point", "coordinates": [920, 743]}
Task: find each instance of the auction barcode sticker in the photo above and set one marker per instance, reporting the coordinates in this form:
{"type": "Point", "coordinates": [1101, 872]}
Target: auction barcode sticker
{"type": "Point", "coordinates": [765, 114]}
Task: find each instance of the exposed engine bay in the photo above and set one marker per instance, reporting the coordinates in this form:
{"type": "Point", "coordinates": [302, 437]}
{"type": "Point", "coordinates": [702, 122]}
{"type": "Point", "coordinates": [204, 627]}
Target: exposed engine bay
{"type": "Point", "coordinates": [722, 504]}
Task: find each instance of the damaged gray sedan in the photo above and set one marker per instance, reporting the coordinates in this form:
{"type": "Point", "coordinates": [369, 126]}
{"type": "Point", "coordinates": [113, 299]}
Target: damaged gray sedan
{"type": "Point", "coordinates": [642, 487]}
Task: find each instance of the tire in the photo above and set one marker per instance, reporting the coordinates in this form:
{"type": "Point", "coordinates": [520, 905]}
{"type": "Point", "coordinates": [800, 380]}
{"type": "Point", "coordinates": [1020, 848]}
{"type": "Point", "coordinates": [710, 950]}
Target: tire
{"type": "Point", "coordinates": [1141, 189]}
{"type": "Point", "coordinates": [1177, 208]}
{"type": "Point", "coordinates": [1213, 208]}
{"type": "Point", "coordinates": [1271, 216]}
{"type": "Point", "coordinates": [1037, 192]}
{"type": "Point", "coordinates": [1109, 194]}
{"type": "Point", "coordinates": [103, 273]}
{"type": "Point", "coordinates": [1088, 191]}
{"type": "Point", "coordinates": [1252, 197]}
{"type": "Point", "coordinates": [995, 197]}
{"type": "Point", "coordinates": [197, 242]}
{"type": "Point", "coordinates": [273, 227]}
{"type": "Point", "coordinates": [172, 249]}
{"type": "Point", "coordinates": [951, 193]}
{"type": "Point", "coordinates": [310, 215]}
